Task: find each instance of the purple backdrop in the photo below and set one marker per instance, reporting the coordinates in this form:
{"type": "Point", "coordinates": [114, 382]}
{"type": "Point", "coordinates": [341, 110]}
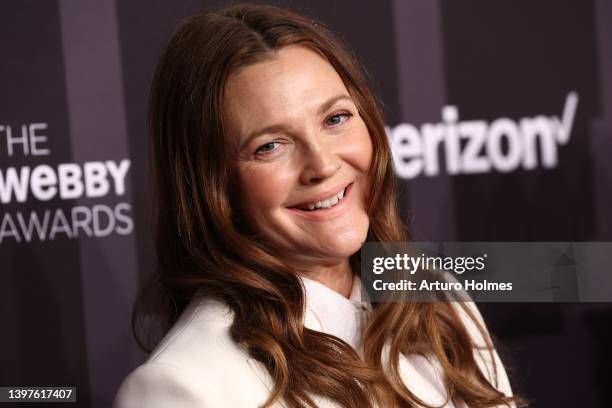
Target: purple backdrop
{"type": "Point", "coordinates": [489, 143]}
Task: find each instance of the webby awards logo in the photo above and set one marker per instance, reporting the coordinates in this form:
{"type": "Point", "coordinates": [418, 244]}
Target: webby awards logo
{"type": "Point", "coordinates": [475, 146]}
{"type": "Point", "coordinates": [59, 184]}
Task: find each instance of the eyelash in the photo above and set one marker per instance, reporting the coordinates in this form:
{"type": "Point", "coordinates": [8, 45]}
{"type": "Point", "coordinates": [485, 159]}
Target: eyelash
{"type": "Point", "coordinates": [259, 151]}
{"type": "Point", "coordinates": [347, 115]}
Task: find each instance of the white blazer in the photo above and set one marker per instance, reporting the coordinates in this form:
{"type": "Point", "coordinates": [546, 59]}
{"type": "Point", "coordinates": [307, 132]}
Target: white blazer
{"type": "Point", "coordinates": [198, 365]}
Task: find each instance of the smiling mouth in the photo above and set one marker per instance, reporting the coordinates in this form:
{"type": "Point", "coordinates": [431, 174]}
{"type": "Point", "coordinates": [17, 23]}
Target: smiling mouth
{"type": "Point", "coordinates": [326, 204]}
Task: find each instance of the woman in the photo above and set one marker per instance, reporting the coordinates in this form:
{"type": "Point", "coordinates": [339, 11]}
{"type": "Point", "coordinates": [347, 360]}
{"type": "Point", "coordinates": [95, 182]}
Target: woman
{"type": "Point", "coordinates": [271, 168]}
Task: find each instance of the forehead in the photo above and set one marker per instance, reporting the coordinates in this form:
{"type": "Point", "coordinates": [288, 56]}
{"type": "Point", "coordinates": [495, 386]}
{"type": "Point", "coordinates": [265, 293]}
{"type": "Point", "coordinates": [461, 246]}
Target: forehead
{"type": "Point", "coordinates": [291, 84]}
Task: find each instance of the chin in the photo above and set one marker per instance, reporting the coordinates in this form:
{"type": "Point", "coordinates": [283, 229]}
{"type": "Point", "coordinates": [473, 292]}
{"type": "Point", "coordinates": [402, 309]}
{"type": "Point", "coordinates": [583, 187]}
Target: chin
{"type": "Point", "coordinates": [345, 244]}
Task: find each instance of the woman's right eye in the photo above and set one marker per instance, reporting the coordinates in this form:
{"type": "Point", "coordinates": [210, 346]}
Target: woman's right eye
{"type": "Point", "coordinates": [267, 147]}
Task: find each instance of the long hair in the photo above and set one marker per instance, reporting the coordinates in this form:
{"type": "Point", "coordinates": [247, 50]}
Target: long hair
{"type": "Point", "coordinates": [201, 247]}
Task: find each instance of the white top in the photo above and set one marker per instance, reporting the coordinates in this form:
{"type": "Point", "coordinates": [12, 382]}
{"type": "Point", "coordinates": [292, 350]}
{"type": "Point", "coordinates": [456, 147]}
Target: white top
{"type": "Point", "coordinates": [198, 365]}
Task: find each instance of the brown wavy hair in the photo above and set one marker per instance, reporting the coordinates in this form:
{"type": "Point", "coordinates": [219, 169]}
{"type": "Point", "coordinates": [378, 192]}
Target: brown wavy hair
{"type": "Point", "coordinates": [201, 245]}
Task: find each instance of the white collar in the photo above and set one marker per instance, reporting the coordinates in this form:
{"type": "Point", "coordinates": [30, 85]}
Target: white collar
{"type": "Point", "coordinates": [329, 312]}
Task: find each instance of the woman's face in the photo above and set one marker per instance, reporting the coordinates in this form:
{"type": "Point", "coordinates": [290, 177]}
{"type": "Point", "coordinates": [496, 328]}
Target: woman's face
{"type": "Point", "coordinates": [301, 153]}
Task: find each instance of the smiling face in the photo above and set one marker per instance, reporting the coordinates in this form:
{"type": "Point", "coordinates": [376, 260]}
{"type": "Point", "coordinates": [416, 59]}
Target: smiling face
{"type": "Point", "coordinates": [301, 153]}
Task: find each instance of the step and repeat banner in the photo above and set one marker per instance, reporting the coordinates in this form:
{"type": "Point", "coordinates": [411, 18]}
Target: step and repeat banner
{"type": "Point", "coordinates": [499, 115]}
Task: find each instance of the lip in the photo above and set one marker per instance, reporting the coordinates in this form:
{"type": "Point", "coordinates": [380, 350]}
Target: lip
{"type": "Point", "coordinates": [326, 213]}
{"type": "Point", "coordinates": [323, 196]}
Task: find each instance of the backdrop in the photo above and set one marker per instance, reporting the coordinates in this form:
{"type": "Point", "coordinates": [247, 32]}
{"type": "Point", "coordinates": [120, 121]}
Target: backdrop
{"type": "Point", "coordinates": [500, 118]}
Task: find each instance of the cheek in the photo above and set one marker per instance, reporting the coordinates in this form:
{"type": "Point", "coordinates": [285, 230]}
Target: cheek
{"type": "Point", "coordinates": [263, 188]}
{"type": "Point", "coordinates": [358, 148]}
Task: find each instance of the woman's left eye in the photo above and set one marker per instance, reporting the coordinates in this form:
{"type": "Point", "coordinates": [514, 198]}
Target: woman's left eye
{"type": "Point", "coordinates": [337, 119]}
{"type": "Point", "coordinates": [267, 148]}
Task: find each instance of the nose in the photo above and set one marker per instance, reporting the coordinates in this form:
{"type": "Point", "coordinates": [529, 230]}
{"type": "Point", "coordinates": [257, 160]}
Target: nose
{"type": "Point", "coordinates": [319, 163]}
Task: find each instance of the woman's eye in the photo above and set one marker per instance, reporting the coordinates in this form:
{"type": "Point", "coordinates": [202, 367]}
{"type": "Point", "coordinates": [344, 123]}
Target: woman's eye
{"type": "Point", "coordinates": [266, 148]}
{"type": "Point", "coordinates": [338, 119]}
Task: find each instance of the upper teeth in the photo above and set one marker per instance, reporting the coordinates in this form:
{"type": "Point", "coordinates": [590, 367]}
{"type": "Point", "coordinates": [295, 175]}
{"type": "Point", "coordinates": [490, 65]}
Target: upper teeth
{"type": "Point", "coordinates": [328, 203]}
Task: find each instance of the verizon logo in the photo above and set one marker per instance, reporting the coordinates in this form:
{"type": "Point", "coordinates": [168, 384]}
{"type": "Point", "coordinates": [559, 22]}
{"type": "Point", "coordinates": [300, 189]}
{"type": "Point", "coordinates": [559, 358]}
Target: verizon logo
{"type": "Point", "coordinates": [475, 146]}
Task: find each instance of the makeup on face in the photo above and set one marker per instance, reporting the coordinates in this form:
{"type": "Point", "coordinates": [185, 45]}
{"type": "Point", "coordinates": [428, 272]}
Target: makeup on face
{"type": "Point", "coordinates": [302, 155]}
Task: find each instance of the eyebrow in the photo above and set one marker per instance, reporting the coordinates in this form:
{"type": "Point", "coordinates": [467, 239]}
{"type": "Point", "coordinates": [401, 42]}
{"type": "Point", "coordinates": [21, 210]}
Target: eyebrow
{"type": "Point", "coordinates": [280, 127]}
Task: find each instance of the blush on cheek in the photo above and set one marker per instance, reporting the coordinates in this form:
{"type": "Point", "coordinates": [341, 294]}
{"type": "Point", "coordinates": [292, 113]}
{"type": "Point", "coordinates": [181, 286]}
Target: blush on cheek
{"type": "Point", "coordinates": [356, 147]}
{"type": "Point", "coordinates": [363, 149]}
{"type": "Point", "coordinates": [263, 188]}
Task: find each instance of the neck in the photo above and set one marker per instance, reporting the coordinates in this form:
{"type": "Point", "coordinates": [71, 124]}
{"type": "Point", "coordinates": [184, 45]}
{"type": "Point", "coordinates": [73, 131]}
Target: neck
{"type": "Point", "coordinates": [338, 277]}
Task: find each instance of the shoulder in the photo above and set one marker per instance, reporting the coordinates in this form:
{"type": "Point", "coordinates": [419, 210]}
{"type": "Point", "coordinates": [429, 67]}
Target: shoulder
{"type": "Point", "coordinates": [160, 385]}
{"type": "Point", "coordinates": [200, 335]}
{"type": "Point", "coordinates": [485, 354]}
{"type": "Point", "coordinates": [196, 364]}
{"type": "Point", "coordinates": [474, 323]}
{"type": "Point", "coordinates": [488, 359]}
